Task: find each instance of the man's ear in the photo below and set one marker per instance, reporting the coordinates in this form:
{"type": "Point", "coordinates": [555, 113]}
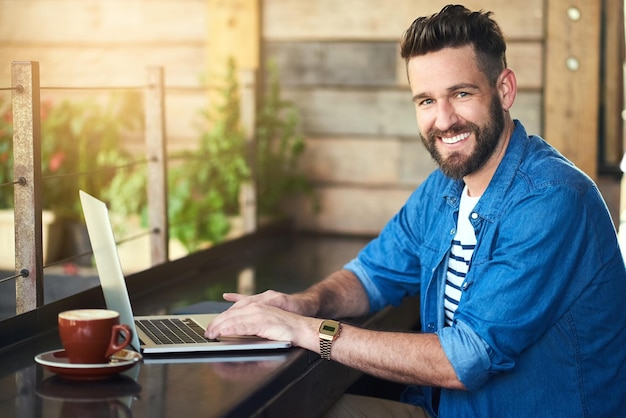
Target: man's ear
{"type": "Point", "coordinates": [507, 88]}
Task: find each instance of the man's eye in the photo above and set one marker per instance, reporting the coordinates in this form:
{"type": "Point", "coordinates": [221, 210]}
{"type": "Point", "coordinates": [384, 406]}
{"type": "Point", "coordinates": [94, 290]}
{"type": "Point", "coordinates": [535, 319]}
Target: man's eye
{"type": "Point", "coordinates": [426, 102]}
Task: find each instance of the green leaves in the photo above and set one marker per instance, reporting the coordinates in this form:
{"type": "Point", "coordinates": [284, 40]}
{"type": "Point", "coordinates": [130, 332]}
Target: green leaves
{"type": "Point", "coordinates": [278, 150]}
{"type": "Point", "coordinates": [204, 184]}
{"type": "Point", "coordinates": [74, 136]}
{"type": "Point", "coordinates": [80, 140]}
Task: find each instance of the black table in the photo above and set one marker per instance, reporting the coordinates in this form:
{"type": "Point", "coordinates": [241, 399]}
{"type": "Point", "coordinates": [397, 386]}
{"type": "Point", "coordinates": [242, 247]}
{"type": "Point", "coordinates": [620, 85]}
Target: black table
{"type": "Point", "coordinates": [284, 383]}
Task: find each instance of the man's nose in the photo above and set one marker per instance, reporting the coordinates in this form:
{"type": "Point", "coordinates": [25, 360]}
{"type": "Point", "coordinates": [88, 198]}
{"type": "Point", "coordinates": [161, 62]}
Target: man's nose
{"type": "Point", "coordinates": [446, 116]}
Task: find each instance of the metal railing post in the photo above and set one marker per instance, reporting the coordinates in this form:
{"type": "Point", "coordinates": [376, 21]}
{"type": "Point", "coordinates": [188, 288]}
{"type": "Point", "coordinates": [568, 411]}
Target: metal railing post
{"type": "Point", "coordinates": [157, 166]}
{"type": "Point", "coordinates": [28, 193]}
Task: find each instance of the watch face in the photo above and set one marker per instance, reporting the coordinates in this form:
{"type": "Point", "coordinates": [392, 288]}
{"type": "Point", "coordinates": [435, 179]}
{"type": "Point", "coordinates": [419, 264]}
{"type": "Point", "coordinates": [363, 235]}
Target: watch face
{"type": "Point", "coordinates": [329, 327]}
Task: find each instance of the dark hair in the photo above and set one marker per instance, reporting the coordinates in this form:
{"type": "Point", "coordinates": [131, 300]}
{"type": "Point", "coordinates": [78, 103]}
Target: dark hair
{"type": "Point", "coordinates": [453, 27]}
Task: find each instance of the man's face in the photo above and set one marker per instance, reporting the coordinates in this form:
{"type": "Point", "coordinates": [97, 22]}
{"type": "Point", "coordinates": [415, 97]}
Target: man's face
{"type": "Point", "coordinates": [459, 115]}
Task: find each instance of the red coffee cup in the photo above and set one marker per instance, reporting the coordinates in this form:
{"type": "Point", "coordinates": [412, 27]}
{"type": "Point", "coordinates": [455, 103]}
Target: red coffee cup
{"type": "Point", "coordinates": [92, 336]}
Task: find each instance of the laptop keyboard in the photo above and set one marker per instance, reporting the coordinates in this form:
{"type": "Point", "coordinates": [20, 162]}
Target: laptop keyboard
{"type": "Point", "coordinates": [173, 331]}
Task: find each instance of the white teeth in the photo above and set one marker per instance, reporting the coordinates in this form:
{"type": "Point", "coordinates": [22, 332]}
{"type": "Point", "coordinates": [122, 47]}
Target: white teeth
{"type": "Point", "coordinates": [455, 139]}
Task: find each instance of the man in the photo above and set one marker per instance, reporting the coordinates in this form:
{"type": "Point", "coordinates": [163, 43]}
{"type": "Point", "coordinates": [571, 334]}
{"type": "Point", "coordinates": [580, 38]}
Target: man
{"type": "Point", "coordinates": [511, 248]}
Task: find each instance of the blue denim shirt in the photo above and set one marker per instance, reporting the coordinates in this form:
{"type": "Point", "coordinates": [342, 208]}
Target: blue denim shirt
{"type": "Point", "coordinates": [540, 330]}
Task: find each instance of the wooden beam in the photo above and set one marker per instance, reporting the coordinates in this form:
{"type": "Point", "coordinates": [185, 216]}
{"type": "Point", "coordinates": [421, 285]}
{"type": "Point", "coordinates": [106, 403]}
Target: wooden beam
{"type": "Point", "coordinates": [233, 31]}
{"type": "Point", "coordinates": [613, 85]}
{"type": "Point", "coordinates": [571, 98]}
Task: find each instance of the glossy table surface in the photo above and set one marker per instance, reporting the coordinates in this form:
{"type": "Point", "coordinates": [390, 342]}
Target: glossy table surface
{"type": "Point", "coordinates": [282, 383]}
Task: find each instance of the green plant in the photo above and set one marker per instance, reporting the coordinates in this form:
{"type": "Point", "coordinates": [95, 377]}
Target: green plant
{"type": "Point", "coordinates": [81, 144]}
{"type": "Point", "coordinates": [279, 147]}
{"type": "Point", "coordinates": [76, 138]}
{"type": "Point", "coordinates": [204, 183]}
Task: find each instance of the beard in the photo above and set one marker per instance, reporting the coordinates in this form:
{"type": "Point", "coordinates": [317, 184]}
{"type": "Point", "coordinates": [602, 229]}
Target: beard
{"type": "Point", "coordinates": [458, 165]}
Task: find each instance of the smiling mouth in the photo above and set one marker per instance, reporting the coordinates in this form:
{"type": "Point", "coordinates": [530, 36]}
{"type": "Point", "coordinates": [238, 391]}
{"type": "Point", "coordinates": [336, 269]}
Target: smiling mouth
{"type": "Point", "coordinates": [456, 138]}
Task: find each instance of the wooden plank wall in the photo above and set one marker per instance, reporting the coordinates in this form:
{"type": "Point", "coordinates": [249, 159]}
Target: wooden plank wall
{"type": "Point", "coordinates": [339, 62]}
{"type": "Point", "coordinates": [102, 43]}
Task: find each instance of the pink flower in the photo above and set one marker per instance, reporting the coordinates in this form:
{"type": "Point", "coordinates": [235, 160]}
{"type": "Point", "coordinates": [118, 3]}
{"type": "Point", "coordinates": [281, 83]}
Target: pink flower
{"type": "Point", "coordinates": [45, 109]}
{"type": "Point", "coordinates": [56, 160]}
{"type": "Point", "coordinates": [8, 116]}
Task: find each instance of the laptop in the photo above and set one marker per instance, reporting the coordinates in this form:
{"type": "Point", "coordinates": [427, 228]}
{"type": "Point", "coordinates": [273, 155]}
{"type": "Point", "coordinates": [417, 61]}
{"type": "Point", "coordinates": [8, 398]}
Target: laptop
{"type": "Point", "coordinates": [156, 334]}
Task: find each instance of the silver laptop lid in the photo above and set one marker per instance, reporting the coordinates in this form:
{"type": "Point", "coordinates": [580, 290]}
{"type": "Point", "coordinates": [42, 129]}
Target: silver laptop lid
{"type": "Point", "coordinates": [107, 259]}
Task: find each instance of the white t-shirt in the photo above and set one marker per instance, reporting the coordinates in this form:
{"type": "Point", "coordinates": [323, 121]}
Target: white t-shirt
{"type": "Point", "coordinates": [461, 252]}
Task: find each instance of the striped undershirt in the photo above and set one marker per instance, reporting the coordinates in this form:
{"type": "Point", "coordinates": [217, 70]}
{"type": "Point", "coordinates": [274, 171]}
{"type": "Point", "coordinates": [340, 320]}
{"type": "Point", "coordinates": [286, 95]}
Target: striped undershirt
{"type": "Point", "coordinates": [461, 252]}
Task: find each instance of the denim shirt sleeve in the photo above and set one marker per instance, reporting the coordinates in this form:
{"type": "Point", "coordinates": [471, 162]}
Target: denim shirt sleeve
{"type": "Point", "coordinates": [468, 354]}
{"type": "Point", "coordinates": [376, 299]}
{"type": "Point", "coordinates": [391, 267]}
{"type": "Point", "coordinates": [388, 270]}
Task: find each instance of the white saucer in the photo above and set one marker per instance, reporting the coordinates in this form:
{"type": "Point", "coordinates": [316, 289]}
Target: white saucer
{"type": "Point", "coordinates": [57, 362]}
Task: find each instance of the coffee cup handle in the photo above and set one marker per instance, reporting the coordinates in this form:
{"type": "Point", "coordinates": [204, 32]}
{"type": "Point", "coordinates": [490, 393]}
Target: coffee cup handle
{"type": "Point", "coordinates": [117, 331]}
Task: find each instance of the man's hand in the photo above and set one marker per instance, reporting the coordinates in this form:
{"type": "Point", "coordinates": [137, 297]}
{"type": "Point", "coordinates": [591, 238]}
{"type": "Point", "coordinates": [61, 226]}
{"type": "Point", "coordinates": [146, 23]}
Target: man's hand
{"type": "Point", "coordinates": [249, 317]}
{"type": "Point", "coordinates": [295, 303]}
{"type": "Point", "coordinates": [291, 317]}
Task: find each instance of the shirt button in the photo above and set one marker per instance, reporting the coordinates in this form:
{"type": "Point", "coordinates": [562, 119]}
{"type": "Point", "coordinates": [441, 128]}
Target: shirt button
{"type": "Point", "coordinates": [474, 215]}
{"type": "Point", "coordinates": [430, 326]}
{"type": "Point", "coordinates": [452, 231]}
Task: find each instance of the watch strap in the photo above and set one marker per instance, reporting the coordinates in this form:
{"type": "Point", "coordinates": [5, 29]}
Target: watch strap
{"type": "Point", "coordinates": [325, 346]}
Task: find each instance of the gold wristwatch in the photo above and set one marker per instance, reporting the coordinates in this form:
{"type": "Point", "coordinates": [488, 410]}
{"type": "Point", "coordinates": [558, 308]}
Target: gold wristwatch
{"type": "Point", "coordinates": [329, 331]}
